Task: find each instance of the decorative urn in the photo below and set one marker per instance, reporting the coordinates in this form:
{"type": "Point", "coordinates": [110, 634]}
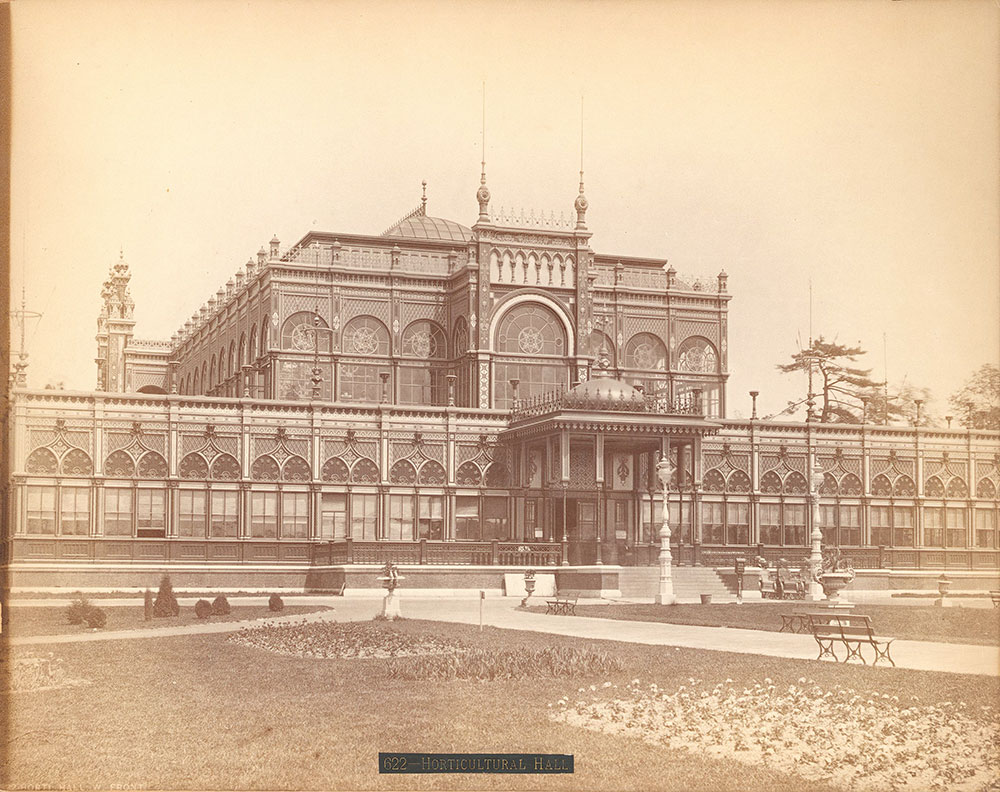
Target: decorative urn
{"type": "Point", "coordinates": [943, 584]}
{"type": "Point", "coordinates": [529, 586]}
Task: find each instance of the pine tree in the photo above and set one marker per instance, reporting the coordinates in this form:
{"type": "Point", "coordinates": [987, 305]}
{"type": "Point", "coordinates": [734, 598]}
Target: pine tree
{"type": "Point", "coordinates": [842, 388]}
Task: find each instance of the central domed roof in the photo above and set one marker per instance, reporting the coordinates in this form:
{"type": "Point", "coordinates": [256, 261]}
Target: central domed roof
{"type": "Point", "coordinates": [437, 229]}
{"type": "Point", "coordinates": [604, 392]}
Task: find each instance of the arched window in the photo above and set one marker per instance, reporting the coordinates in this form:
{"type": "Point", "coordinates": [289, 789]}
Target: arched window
{"type": "Point", "coordinates": [232, 360]}
{"type": "Point", "coordinates": [697, 355]}
{"type": "Point", "coordinates": [460, 346]}
{"type": "Point", "coordinates": [211, 375]}
{"type": "Point", "coordinates": [645, 352]}
{"type": "Point", "coordinates": [646, 363]}
{"type": "Point", "coordinates": [264, 340]}
{"type": "Point", "coordinates": [364, 338]}
{"type": "Point", "coordinates": [531, 347]}
{"type": "Point", "coordinates": [299, 333]}
{"type": "Point", "coordinates": [241, 352]}
{"type": "Point", "coordinates": [195, 385]}
{"type": "Point", "coordinates": [531, 330]}
{"type": "Point", "coordinates": [366, 335]}
{"type": "Point", "coordinates": [422, 377]}
{"type": "Point", "coordinates": [253, 345]}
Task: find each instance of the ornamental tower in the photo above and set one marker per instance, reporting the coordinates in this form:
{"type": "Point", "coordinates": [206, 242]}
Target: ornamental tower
{"type": "Point", "coordinates": [114, 327]}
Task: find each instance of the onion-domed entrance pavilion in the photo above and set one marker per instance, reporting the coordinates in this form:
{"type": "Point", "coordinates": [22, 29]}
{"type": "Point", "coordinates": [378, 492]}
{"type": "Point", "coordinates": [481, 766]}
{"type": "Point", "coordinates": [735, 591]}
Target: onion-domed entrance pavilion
{"type": "Point", "coordinates": [585, 460]}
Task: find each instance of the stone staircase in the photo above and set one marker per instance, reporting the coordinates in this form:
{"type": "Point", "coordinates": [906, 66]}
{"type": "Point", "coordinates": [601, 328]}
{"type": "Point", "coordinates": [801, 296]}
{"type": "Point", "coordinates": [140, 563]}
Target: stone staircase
{"type": "Point", "coordinates": [689, 582]}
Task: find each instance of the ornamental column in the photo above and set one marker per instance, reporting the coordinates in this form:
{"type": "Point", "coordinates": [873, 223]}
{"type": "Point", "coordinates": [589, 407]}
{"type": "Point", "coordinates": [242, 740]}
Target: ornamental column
{"type": "Point", "coordinates": [665, 591]}
{"type": "Point", "coordinates": [816, 556]}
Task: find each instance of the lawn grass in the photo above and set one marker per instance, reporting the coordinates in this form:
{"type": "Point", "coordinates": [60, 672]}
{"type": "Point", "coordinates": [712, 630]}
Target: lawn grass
{"type": "Point", "coordinates": [38, 620]}
{"type": "Point", "coordinates": [979, 626]}
{"type": "Point", "coordinates": [202, 711]}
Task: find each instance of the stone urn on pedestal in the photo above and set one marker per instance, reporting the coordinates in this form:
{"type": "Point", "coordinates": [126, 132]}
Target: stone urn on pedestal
{"type": "Point", "coordinates": [390, 578]}
{"type": "Point", "coordinates": [943, 584]}
{"type": "Point", "coordinates": [835, 575]}
{"type": "Point", "coordinates": [529, 586]}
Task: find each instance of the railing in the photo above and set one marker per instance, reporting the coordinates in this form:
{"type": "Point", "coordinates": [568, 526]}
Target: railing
{"type": "Point", "coordinates": [864, 557]}
{"type": "Point", "coordinates": [424, 551]}
{"type": "Point", "coordinates": [546, 403]}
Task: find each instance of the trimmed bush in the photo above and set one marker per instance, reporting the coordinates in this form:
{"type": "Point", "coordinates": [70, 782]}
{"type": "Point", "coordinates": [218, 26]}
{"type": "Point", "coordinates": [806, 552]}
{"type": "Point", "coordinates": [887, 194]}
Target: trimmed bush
{"type": "Point", "coordinates": [203, 609]}
{"type": "Point", "coordinates": [166, 603]}
{"type": "Point", "coordinates": [95, 617]}
{"type": "Point", "coordinates": [274, 603]}
{"type": "Point", "coordinates": [76, 611]}
{"type": "Point", "coordinates": [220, 606]}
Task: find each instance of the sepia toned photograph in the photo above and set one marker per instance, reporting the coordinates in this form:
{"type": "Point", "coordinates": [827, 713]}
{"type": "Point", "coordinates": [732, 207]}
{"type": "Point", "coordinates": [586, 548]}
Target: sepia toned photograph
{"type": "Point", "coordinates": [536, 396]}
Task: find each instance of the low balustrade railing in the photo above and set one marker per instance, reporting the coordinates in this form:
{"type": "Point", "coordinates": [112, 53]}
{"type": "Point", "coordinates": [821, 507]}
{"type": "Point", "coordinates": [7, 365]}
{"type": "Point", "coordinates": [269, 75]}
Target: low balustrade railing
{"type": "Point", "coordinates": [425, 551]}
{"type": "Point", "coordinates": [862, 557]}
{"type": "Point", "coordinates": [553, 401]}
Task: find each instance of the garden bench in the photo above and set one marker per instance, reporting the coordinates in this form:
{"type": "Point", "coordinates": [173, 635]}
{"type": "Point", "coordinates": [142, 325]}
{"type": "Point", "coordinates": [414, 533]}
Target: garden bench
{"type": "Point", "coordinates": [795, 622]}
{"type": "Point", "coordinates": [995, 596]}
{"type": "Point", "coordinates": [851, 630]}
{"type": "Point", "coordinates": [563, 605]}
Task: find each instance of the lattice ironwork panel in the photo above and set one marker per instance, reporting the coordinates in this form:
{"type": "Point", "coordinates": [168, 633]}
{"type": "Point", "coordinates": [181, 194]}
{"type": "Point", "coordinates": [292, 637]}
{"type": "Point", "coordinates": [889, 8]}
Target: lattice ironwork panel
{"type": "Point", "coordinates": [292, 304]}
{"type": "Point", "coordinates": [351, 307]}
{"type": "Point", "coordinates": [643, 324]}
{"type": "Point", "coordinates": [685, 328]}
{"type": "Point", "coordinates": [435, 312]}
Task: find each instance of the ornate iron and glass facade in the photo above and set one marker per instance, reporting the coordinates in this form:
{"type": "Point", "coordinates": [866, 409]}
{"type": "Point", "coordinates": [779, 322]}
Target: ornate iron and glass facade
{"type": "Point", "coordinates": [494, 394]}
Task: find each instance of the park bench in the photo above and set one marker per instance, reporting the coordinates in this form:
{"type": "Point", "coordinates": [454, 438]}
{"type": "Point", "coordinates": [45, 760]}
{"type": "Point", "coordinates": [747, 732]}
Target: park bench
{"type": "Point", "coordinates": [795, 622]}
{"type": "Point", "coordinates": [851, 630]}
{"type": "Point", "coordinates": [995, 596]}
{"type": "Point", "coordinates": [783, 584]}
{"type": "Point", "coordinates": [564, 605]}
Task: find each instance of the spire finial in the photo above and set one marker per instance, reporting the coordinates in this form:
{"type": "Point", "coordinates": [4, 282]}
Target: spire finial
{"type": "Point", "coordinates": [483, 193]}
{"type": "Point", "coordinates": [423, 199]}
{"type": "Point", "coordinates": [581, 202]}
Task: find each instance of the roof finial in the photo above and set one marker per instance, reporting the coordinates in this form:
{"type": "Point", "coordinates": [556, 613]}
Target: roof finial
{"type": "Point", "coordinates": [581, 202]}
{"type": "Point", "coordinates": [423, 200]}
{"type": "Point", "coordinates": [483, 193]}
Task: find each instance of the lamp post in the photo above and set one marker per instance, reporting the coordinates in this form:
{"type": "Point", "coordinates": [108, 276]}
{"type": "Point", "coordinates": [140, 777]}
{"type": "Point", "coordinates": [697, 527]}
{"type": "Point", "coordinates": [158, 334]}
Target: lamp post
{"type": "Point", "coordinates": [665, 591]}
{"type": "Point", "coordinates": [317, 372]}
{"type": "Point", "coordinates": [816, 555]}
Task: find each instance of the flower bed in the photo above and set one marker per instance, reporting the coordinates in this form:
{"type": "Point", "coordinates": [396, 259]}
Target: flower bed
{"type": "Point", "coordinates": [341, 640]}
{"type": "Point", "coordinates": [31, 672]}
{"type": "Point", "coordinates": [845, 739]}
{"type": "Point", "coordinates": [420, 655]}
{"type": "Point", "coordinates": [504, 664]}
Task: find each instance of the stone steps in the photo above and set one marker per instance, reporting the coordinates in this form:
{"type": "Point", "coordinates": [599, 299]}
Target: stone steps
{"type": "Point", "coordinates": [689, 582]}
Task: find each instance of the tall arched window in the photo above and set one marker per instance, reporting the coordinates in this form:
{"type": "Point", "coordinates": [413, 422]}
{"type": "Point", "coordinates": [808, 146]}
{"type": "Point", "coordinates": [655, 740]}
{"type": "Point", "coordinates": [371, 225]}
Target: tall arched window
{"type": "Point", "coordinates": [697, 355]}
{"type": "Point", "coordinates": [241, 352]}
{"type": "Point", "coordinates": [421, 375]}
{"type": "Point", "coordinates": [298, 333]}
{"type": "Point", "coordinates": [646, 362]}
{"type": "Point", "coordinates": [531, 347]}
{"type": "Point", "coordinates": [459, 349]}
{"type": "Point", "coordinates": [211, 375]}
{"type": "Point", "coordinates": [364, 338]}
{"type": "Point", "coordinates": [253, 345]}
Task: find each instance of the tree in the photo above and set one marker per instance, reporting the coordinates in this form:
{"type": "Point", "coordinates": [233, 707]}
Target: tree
{"type": "Point", "coordinates": [843, 388]}
{"type": "Point", "coordinates": [901, 407]}
{"type": "Point", "coordinates": [977, 403]}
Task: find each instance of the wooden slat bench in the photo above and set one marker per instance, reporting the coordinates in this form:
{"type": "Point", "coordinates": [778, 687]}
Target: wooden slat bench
{"type": "Point", "coordinates": [564, 605]}
{"type": "Point", "coordinates": [995, 596]}
{"type": "Point", "coordinates": [795, 622]}
{"type": "Point", "coordinates": [851, 630]}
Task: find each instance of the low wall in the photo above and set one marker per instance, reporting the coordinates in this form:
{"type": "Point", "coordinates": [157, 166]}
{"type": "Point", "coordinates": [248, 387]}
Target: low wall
{"type": "Point", "coordinates": [594, 581]}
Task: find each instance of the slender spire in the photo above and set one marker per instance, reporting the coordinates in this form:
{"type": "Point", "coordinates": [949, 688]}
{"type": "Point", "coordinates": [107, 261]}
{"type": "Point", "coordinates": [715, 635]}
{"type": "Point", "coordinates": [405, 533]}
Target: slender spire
{"type": "Point", "coordinates": [423, 199]}
{"type": "Point", "coordinates": [581, 202]}
{"type": "Point", "coordinates": [483, 193]}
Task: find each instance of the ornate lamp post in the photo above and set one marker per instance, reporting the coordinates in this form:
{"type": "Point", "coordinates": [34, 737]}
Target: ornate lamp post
{"type": "Point", "coordinates": [665, 592]}
{"type": "Point", "coordinates": [816, 555]}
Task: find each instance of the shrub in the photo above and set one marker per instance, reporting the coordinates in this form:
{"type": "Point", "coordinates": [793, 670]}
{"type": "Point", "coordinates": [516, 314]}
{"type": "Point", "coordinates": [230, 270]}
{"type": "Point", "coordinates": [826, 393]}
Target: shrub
{"type": "Point", "coordinates": [166, 603]}
{"type": "Point", "coordinates": [95, 617]}
{"type": "Point", "coordinates": [220, 606]}
{"type": "Point", "coordinates": [203, 609]}
{"type": "Point", "coordinates": [274, 603]}
{"type": "Point", "coordinates": [76, 611]}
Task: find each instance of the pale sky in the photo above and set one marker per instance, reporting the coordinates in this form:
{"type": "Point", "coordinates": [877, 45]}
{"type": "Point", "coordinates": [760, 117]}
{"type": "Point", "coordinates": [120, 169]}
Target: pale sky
{"type": "Point", "coordinates": [856, 144]}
